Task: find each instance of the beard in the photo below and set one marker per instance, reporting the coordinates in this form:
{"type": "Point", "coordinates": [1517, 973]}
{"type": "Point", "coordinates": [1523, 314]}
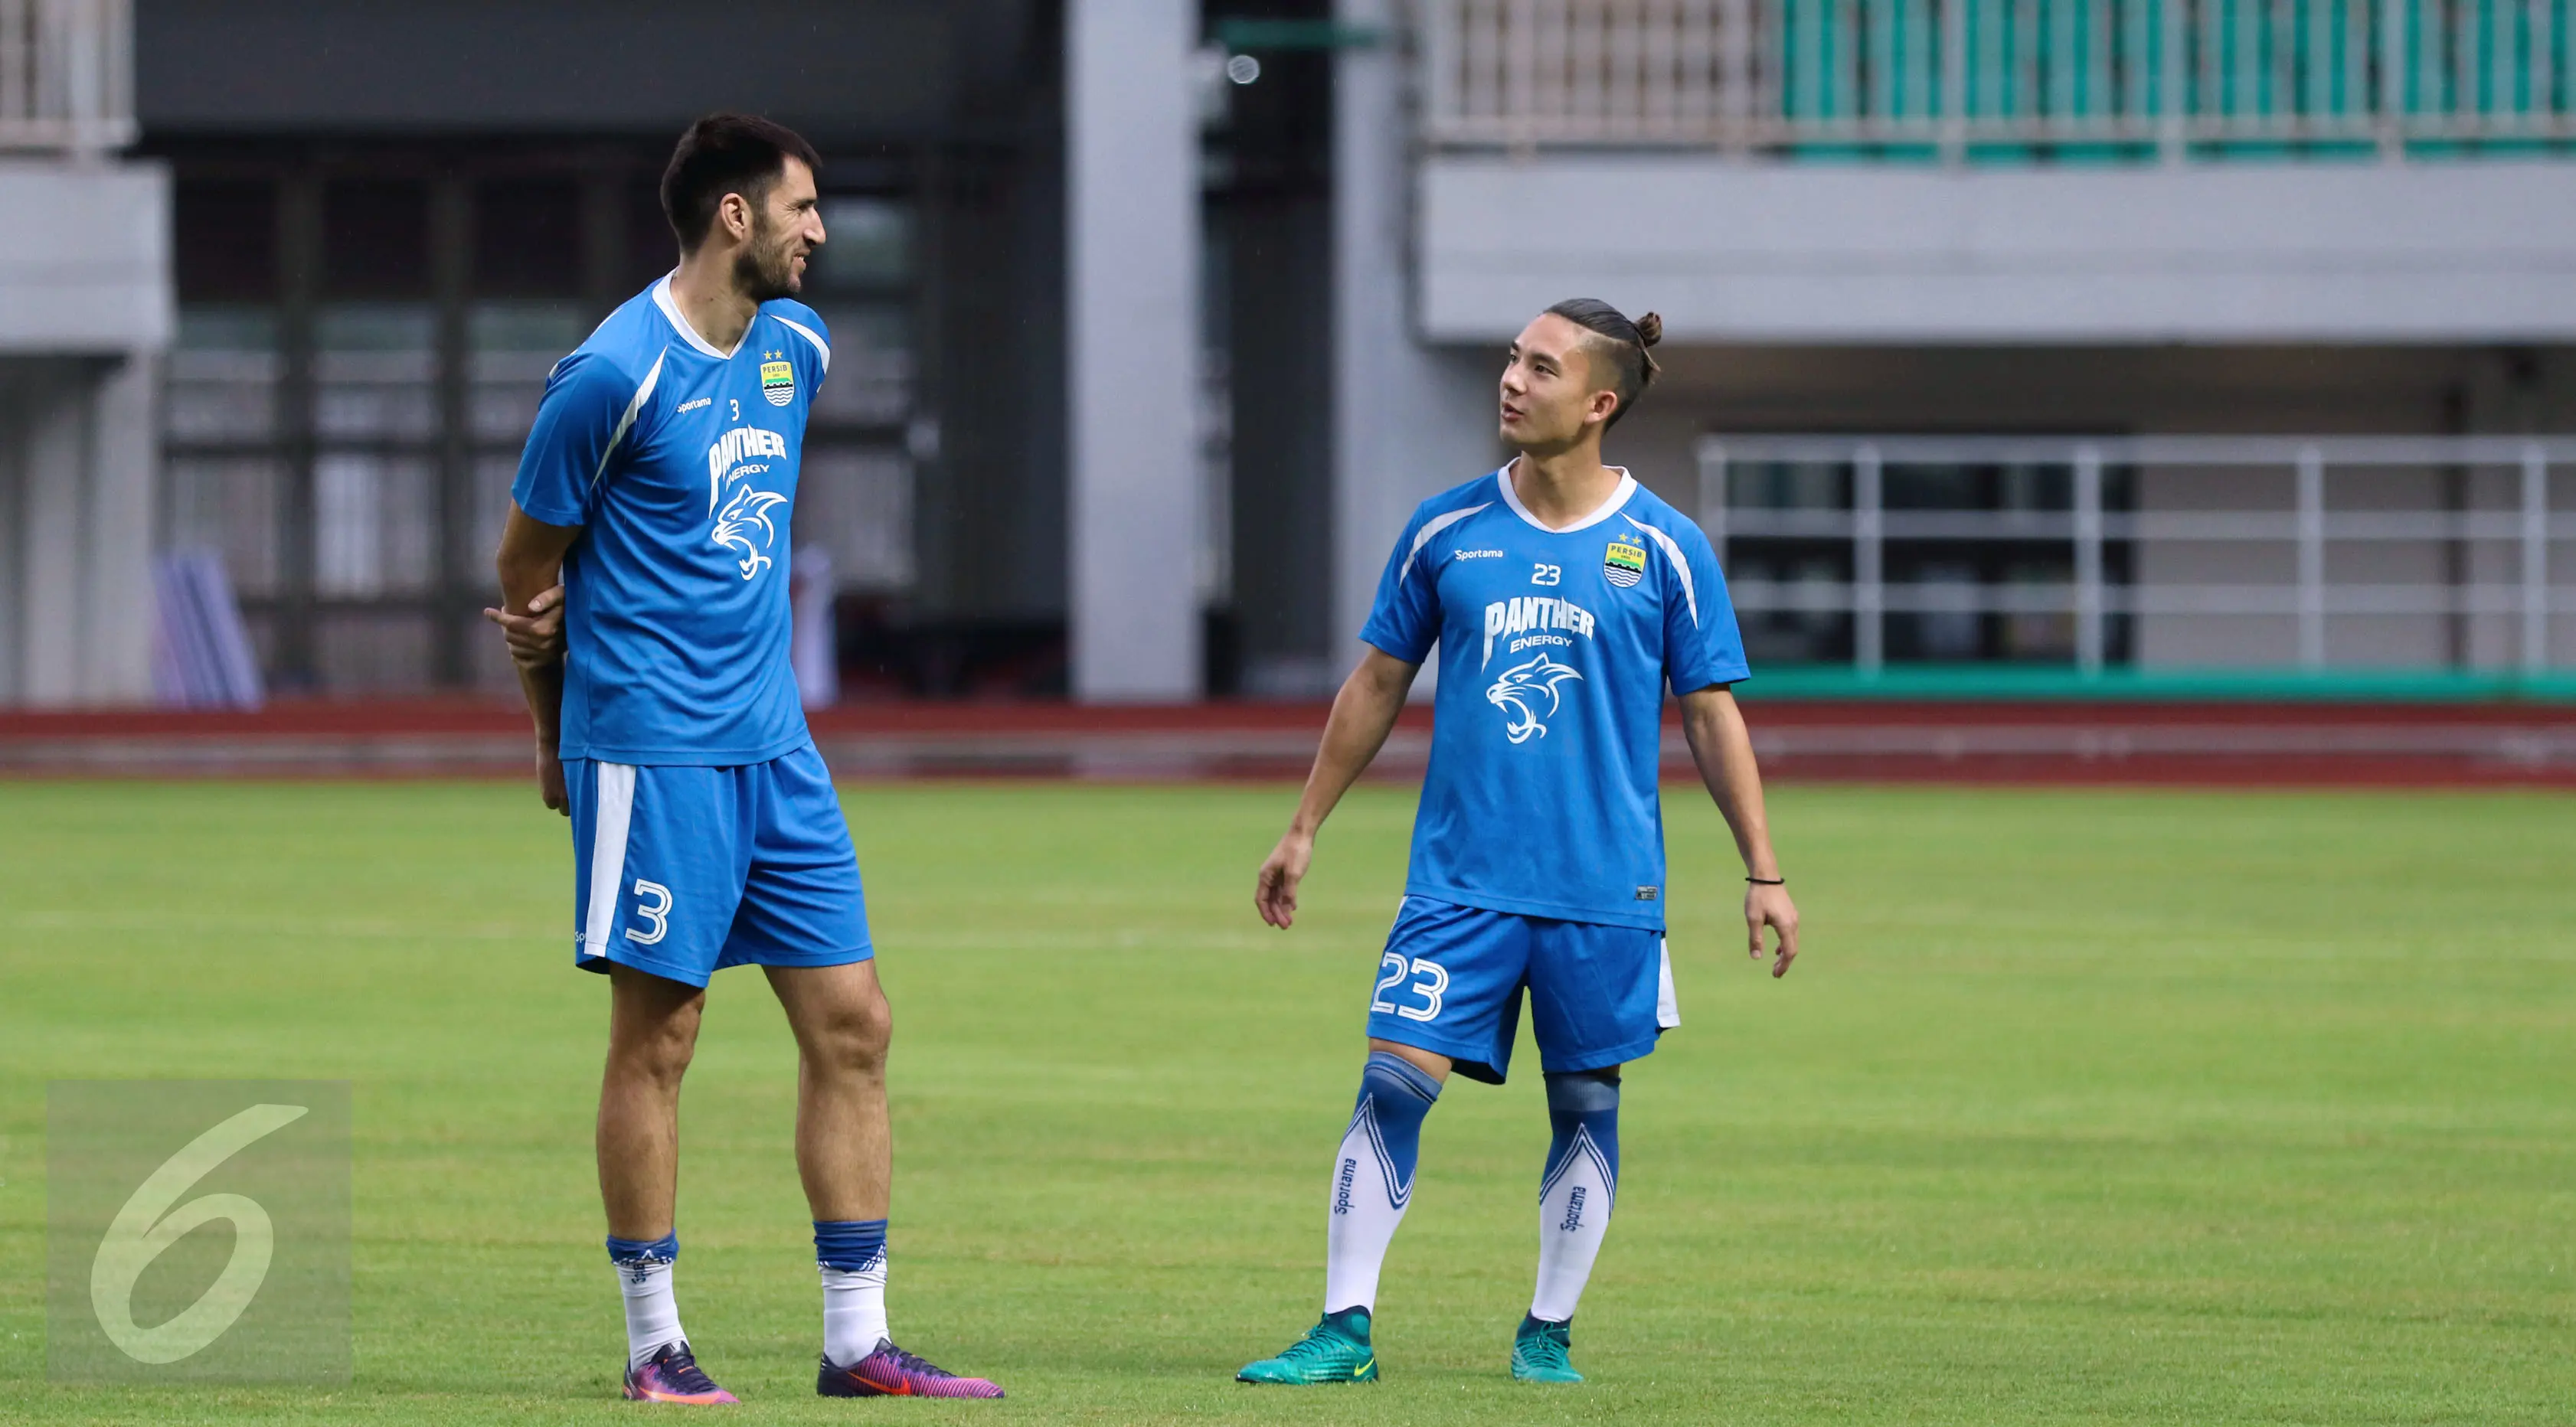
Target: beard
{"type": "Point", "coordinates": [765, 269]}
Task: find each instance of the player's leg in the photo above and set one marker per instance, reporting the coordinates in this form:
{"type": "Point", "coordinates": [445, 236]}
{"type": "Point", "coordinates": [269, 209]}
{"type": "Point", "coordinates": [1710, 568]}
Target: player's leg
{"type": "Point", "coordinates": [1446, 995]}
{"type": "Point", "coordinates": [804, 921]}
{"type": "Point", "coordinates": [652, 1032]}
{"type": "Point", "coordinates": [1576, 1193]}
{"type": "Point", "coordinates": [1599, 996]}
{"type": "Point", "coordinates": [1373, 1169]}
{"type": "Point", "coordinates": [844, 1150]}
{"type": "Point", "coordinates": [653, 896]}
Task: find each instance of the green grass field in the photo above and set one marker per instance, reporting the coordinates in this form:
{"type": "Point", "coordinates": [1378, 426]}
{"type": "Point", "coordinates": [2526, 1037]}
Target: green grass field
{"type": "Point", "coordinates": [2084, 1106]}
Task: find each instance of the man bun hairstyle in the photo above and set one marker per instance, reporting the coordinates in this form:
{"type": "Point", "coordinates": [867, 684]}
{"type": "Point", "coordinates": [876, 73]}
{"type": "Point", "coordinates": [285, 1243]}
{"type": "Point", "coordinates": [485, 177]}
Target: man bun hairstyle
{"type": "Point", "coordinates": [721, 154]}
{"type": "Point", "coordinates": [1622, 342]}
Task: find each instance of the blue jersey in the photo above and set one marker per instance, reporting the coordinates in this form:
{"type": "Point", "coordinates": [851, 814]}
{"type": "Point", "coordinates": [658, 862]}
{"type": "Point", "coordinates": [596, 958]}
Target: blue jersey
{"type": "Point", "coordinates": [1555, 648]}
{"type": "Point", "coordinates": [679, 462]}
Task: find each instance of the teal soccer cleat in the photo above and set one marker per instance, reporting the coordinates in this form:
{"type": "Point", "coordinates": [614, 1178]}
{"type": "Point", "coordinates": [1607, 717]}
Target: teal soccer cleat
{"type": "Point", "coordinates": [1539, 1352]}
{"type": "Point", "coordinates": [1334, 1350]}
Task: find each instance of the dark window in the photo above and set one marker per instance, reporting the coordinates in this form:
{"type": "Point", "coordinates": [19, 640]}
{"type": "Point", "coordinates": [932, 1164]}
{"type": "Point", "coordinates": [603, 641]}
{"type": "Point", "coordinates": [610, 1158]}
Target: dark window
{"type": "Point", "coordinates": [375, 239]}
{"type": "Point", "coordinates": [225, 236]}
{"type": "Point", "coordinates": [527, 238]}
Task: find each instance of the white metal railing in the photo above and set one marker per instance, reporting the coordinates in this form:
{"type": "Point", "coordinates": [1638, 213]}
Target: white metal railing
{"type": "Point", "coordinates": [2305, 523]}
{"type": "Point", "coordinates": [2080, 79]}
{"type": "Point", "coordinates": [66, 75]}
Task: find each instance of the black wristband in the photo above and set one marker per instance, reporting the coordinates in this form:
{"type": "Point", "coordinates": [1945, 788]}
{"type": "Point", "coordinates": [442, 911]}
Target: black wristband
{"type": "Point", "coordinates": [1768, 881]}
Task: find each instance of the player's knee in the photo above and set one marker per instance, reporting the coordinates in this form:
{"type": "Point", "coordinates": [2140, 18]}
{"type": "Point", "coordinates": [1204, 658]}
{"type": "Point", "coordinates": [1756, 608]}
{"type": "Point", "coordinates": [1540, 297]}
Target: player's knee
{"type": "Point", "coordinates": [853, 1038]}
{"type": "Point", "coordinates": [662, 1052]}
{"type": "Point", "coordinates": [1583, 1092]}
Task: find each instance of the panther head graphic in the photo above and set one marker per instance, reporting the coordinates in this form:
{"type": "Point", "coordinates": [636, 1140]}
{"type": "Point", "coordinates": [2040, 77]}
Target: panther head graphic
{"type": "Point", "coordinates": [745, 514]}
{"type": "Point", "coordinates": [1520, 688]}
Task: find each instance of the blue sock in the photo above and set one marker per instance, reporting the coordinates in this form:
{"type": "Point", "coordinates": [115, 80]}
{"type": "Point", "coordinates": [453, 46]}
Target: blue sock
{"type": "Point", "coordinates": [849, 1245]}
{"type": "Point", "coordinates": [851, 1254]}
{"type": "Point", "coordinates": [1581, 1183]}
{"type": "Point", "coordinates": [1373, 1177]}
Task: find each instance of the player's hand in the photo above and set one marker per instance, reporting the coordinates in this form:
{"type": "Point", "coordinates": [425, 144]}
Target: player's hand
{"type": "Point", "coordinates": [536, 639]}
{"type": "Point", "coordinates": [1276, 893]}
{"type": "Point", "coordinates": [550, 780]}
{"type": "Point", "coordinates": [1771, 907]}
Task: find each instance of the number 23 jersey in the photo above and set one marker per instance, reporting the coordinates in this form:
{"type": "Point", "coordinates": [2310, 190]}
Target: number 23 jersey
{"type": "Point", "coordinates": [1555, 648]}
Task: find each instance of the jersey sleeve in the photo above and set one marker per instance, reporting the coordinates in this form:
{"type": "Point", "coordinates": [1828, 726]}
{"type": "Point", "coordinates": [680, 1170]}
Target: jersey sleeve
{"type": "Point", "coordinates": [1702, 645]}
{"type": "Point", "coordinates": [813, 344]}
{"type": "Point", "coordinates": [1405, 621]}
{"type": "Point", "coordinates": [582, 416]}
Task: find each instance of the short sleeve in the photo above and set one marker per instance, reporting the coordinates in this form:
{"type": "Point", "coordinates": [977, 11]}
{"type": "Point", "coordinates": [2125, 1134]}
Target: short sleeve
{"type": "Point", "coordinates": [813, 345]}
{"type": "Point", "coordinates": [1702, 645]}
{"type": "Point", "coordinates": [580, 418]}
{"type": "Point", "coordinates": [1405, 621]}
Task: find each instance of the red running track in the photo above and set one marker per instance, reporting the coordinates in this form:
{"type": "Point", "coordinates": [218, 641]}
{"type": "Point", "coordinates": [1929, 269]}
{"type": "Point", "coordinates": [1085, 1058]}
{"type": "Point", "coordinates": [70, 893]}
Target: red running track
{"type": "Point", "coordinates": [2069, 742]}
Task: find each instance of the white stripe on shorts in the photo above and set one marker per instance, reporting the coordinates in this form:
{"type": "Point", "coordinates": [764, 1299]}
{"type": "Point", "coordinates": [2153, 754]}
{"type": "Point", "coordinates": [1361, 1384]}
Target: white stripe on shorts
{"type": "Point", "coordinates": [614, 801]}
{"type": "Point", "coordinates": [1668, 1007]}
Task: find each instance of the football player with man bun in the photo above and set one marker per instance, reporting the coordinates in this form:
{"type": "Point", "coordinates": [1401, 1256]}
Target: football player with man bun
{"type": "Point", "coordinates": [1563, 597]}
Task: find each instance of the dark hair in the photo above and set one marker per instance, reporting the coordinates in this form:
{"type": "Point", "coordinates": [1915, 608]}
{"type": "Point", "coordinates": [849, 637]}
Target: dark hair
{"type": "Point", "coordinates": [1625, 343]}
{"type": "Point", "coordinates": [721, 154]}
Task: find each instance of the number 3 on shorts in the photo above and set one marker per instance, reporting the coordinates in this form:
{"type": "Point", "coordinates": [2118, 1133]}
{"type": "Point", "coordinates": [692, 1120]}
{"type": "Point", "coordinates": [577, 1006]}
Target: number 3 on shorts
{"type": "Point", "coordinates": [1428, 982]}
{"type": "Point", "coordinates": [652, 904]}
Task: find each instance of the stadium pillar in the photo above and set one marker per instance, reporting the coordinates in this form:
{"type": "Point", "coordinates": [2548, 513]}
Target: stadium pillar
{"type": "Point", "coordinates": [1132, 291]}
{"type": "Point", "coordinates": [76, 511]}
{"type": "Point", "coordinates": [1409, 419]}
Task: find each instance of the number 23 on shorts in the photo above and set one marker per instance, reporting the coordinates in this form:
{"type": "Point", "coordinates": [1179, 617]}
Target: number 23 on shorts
{"type": "Point", "coordinates": [1419, 977]}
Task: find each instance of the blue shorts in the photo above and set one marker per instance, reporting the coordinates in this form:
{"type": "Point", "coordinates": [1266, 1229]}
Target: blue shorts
{"type": "Point", "coordinates": [1451, 981]}
{"type": "Point", "coordinates": [682, 871]}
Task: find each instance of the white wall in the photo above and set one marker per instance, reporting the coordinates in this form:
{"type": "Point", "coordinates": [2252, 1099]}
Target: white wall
{"type": "Point", "coordinates": [1410, 419]}
{"type": "Point", "coordinates": [1132, 289]}
{"type": "Point", "coordinates": [85, 258]}
{"type": "Point", "coordinates": [77, 456]}
{"type": "Point", "coordinates": [1735, 252]}
{"type": "Point", "coordinates": [86, 310]}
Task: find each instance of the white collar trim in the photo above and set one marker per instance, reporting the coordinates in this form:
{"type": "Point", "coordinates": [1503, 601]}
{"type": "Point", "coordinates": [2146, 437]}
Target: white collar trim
{"type": "Point", "coordinates": [671, 309]}
{"type": "Point", "coordinates": [1619, 497]}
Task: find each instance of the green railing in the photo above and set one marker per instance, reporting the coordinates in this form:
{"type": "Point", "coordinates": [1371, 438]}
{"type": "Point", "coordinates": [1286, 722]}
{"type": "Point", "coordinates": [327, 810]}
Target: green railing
{"type": "Point", "coordinates": [2004, 80]}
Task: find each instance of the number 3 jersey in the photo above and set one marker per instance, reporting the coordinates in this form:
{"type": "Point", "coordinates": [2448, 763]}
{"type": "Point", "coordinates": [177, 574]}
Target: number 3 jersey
{"type": "Point", "coordinates": [679, 461]}
{"type": "Point", "coordinates": [1555, 649]}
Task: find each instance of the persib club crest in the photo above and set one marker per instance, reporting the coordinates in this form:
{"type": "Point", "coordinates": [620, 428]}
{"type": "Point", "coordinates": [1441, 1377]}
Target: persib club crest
{"type": "Point", "coordinates": [1519, 691]}
{"type": "Point", "coordinates": [778, 382]}
{"type": "Point", "coordinates": [1624, 563]}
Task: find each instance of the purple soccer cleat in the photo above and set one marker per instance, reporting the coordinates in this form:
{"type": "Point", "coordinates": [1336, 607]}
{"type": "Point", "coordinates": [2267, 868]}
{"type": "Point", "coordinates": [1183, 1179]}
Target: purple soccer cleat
{"type": "Point", "coordinates": [892, 1372]}
{"type": "Point", "coordinates": [672, 1375]}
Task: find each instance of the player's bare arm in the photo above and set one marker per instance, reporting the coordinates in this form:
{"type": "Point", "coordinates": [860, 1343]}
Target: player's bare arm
{"type": "Point", "coordinates": [1364, 713]}
{"type": "Point", "coordinates": [530, 566]}
{"type": "Point", "coordinates": [1723, 748]}
{"type": "Point", "coordinates": [536, 637]}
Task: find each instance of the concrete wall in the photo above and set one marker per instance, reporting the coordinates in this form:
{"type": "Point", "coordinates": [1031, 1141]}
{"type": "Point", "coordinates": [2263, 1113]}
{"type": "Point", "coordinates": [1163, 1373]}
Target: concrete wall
{"type": "Point", "coordinates": [85, 312]}
{"type": "Point", "coordinates": [2327, 252]}
{"type": "Point", "coordinates": [1133, 531]}
{"type": "Point", "coordinates": [84, 257]}
{"type": "Point", "coordinates": [1410, 419]}
{"type": "Point", "coordinates": [76, 464]}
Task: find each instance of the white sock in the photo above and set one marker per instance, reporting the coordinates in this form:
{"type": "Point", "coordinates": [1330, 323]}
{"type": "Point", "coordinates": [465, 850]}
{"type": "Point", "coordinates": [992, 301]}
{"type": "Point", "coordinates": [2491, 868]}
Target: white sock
{"type": "Point", "coordinates": [854, 1311]}
{"type": "Point", "coordinates": [1573, 1218]}
{"type": "Point", "coordinates": [652, 1314]}
{"type": "Point", "coordinates": [1373, 1179]}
